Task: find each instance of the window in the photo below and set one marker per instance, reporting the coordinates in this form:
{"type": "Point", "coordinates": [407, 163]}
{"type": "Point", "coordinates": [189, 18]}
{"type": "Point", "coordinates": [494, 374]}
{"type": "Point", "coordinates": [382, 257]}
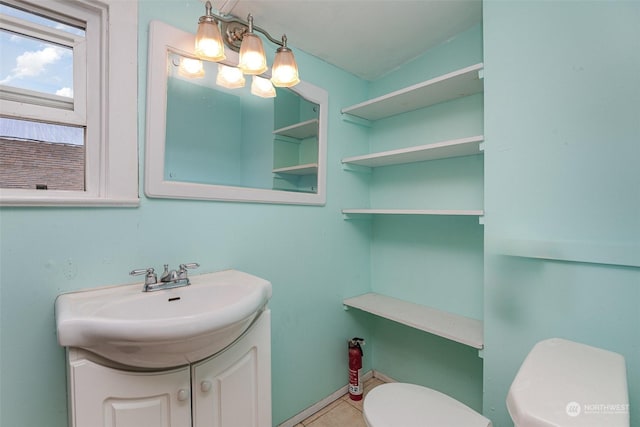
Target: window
{"type": "Point", "coordinates": [68, 102]}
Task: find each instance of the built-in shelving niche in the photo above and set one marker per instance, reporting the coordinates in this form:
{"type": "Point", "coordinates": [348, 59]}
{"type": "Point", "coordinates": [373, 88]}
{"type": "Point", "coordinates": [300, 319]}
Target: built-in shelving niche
{"type": "Point", "coordinates": [295, 159]}
{"type": "Point", "coordinates": [457, 84]}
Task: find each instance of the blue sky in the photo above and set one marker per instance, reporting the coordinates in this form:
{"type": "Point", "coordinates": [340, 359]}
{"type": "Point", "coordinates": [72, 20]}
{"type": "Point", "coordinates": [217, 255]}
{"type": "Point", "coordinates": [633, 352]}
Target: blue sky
{"type": "Point", "coordinates": [38, 65]}
{"type": "Point", "coordinates": [29, 63]}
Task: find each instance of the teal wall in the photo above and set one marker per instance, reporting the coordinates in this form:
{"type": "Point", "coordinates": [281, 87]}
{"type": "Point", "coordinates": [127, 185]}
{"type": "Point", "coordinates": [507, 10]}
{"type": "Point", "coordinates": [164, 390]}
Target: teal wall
{"type": "Point", "coordinates": [310, 254]}
{"type": "Point", "coordinates": [562, 97]}
{"type": "Point", "coordinates": [562, 144]}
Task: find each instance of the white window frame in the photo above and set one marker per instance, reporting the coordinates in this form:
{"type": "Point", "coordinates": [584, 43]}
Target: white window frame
{"type": "Point", "coordinates": [36, 105]}
{"type": "Point", "coordinates": [105, 100]}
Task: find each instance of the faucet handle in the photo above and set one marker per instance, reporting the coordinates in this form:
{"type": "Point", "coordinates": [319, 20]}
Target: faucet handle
{"type": "Point", "coordinates": [150, 277]}
{"type": "Point", "coordinates": [182, 274]}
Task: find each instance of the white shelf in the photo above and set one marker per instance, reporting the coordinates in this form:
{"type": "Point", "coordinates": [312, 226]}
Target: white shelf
{"type": "Point", "coordinates": [307, 169]}
{"type": "Point", "coordinates": [452, 212]}
{"type": "Point", "coordinates": [447, 325]}
{"type": "Point", "coordinates": [608, 253]}
{"type": "Point", "coordinates": [301, 130]}
{"type": "Point", "coordinates": [457, 84]}
{"type": "Point", "coordinates": [439, 150]}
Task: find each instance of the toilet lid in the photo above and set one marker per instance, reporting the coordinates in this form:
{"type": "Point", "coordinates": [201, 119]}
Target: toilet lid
{"type": "Point", "coordinates": [410, 405]}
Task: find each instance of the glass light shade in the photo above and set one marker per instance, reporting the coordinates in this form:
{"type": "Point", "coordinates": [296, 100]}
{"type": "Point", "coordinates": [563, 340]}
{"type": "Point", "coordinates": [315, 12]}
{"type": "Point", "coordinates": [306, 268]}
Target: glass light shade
{"type": "Point", "coordinates": [252, 59]}
{"type": "Point", "coordinates": [284, 72]}
{"type": "Point", "coordinates": [262, 87]}
{"type": "Point", "coordinates": [229, 77]}
{"type": "Point", "coordinates": [192, 68]}
{"type": "Point", "coordinates": [209, 44]}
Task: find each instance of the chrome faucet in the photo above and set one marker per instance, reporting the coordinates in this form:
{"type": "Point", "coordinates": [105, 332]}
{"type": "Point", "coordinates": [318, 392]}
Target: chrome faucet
{"type": "Point", "coordinates": [182, 274]}
{"type": "Point", "coordinates": [150, 277]}
{"type": "Point", "coordinates": [168, 276]}
{"type": "Point", "coordinates": [168, 280]}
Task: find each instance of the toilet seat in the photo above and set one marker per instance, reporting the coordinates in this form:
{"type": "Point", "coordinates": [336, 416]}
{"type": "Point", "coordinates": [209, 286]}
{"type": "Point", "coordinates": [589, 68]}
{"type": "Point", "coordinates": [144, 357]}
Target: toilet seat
{"type": "Point", "coordinates": [410, 405]}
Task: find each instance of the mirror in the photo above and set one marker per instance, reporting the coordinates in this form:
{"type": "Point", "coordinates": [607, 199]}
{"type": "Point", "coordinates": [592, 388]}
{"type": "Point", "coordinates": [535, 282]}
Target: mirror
{"type": "Point", "coordinates": [207, 142]}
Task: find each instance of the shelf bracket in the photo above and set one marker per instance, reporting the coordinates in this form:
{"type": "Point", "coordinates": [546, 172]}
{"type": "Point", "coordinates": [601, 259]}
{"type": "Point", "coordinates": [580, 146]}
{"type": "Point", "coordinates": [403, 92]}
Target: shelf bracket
{"type": "Point", "coordinates": [481, 146]}
{"type": "Point", "coordinates": [356, 168]}
{"type": "Point", "coordinates": [284, 138]}
{"type": "Point", "coordinates": [349, 217]}
{"type": "Point", "coordinates": [356, 120]}
{"type": "Point", "coordinates": [481, 220]}
{"type": "Point", "coordinates": [481, 74]}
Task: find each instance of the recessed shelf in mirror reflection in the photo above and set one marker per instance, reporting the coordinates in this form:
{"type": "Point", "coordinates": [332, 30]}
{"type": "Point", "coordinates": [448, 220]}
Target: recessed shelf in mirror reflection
{"type": "Point", "coordinates": [208, 142]}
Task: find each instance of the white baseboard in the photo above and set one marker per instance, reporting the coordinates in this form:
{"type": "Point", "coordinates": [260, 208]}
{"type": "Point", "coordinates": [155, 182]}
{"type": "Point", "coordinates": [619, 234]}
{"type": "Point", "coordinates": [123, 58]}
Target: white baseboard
{"type": "Point", "coordinates": [383, 377]}
{"type": "Point", "coordinates": [296, 419]}
{"type": "Point", "coordinates": [321, 404]}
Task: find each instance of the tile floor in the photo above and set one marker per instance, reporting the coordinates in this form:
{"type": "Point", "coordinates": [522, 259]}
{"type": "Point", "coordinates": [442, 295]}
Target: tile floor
{"type": "Point", "coordinates": [344, 412]}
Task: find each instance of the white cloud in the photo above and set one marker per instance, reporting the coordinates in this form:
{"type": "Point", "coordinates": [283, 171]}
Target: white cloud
{"type": "Point", "coordinates": [33, 63]}
{"type": "Point", "coordinates": [65, 91]}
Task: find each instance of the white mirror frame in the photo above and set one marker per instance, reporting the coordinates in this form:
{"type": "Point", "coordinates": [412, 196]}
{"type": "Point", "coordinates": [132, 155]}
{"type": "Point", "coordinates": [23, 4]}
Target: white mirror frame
{"type": "Point", "coordinates": [164, 38]}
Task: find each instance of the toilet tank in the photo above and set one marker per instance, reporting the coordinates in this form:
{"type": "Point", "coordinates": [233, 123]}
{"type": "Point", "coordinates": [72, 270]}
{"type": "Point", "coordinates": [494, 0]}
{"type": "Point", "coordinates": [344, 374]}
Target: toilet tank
{"type": "Point", "coordinates": [563, 383]}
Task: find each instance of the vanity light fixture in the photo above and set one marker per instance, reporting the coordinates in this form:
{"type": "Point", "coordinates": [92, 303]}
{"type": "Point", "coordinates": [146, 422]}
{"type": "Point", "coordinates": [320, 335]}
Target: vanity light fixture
{"type": "Point", "coordinates": [262, 87]}
{"type": "Point", "coordinates": [239, 35]}
{"type": "Point", "coordinates": [229, 77]}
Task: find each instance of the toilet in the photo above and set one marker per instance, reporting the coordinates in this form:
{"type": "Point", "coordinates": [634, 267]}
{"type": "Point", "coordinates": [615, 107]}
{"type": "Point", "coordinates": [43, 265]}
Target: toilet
{"type": "Point", "coordinates": [565, 383]}
{"type": "Point", "coordinates": [560, 384]}
{"type": "Point", "coordinates": [410, 405]}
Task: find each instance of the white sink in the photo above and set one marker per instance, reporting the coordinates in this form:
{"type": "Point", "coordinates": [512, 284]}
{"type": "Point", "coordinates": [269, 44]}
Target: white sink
{"type": "Point", "coordinates": [164, 328]}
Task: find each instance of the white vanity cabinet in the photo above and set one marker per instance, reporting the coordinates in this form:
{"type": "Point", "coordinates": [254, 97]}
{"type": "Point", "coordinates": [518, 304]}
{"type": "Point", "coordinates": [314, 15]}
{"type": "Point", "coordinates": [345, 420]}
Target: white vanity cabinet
{"type": "Point", "coordinates": [103, 396]}
{"type": "Point", "coordinates": [229, 389]}
{"type": "Point", "coordinates": [233, 388]}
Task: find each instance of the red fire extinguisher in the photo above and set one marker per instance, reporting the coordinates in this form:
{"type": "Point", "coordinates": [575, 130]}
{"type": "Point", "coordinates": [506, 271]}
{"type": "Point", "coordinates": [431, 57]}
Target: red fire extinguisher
{"type": "Point", "coordinates": [355, 365]}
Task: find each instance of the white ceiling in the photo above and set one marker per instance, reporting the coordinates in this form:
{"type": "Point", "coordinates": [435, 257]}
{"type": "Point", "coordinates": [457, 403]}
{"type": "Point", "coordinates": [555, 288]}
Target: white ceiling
{"type": "Point", "coordinates": [368, 38]}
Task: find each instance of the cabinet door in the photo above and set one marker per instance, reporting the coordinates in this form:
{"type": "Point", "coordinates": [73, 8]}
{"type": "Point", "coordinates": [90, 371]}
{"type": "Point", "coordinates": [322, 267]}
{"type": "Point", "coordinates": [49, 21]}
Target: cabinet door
{"type": "Point", "coordinates": [233, 388]}
{"type": "Point", "coordinates": [102, 396]}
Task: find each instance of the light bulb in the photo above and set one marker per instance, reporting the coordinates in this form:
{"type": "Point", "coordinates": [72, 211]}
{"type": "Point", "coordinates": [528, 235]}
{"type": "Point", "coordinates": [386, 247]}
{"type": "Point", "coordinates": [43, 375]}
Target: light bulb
{"type": "Point", "coordinates": [252, 59]}
{"type": "Point", "coordinates": [229, 77]}
{"type": "Point", "coordinates": [286, 74]}
{"type": "Point", "coordinates": [210, 49]}
{"type": "Point", "coordinates": [262, 87]}
{"type": "Point", "coordinates": [191, 68]}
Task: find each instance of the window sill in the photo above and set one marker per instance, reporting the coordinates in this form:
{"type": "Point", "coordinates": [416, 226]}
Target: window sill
{"type": "Point", "coordinates": [67, 201]}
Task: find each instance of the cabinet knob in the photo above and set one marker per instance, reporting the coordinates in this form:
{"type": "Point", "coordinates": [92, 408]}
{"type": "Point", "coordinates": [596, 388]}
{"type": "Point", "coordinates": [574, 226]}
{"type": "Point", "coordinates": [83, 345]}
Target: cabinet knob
{"type": "Point", "coordinates": [183, 394]}
{"type": "Point", "coordinates": [205, 386]}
